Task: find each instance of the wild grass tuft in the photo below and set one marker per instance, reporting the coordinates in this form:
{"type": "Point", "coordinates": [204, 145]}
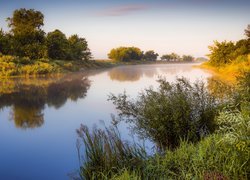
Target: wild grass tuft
{"type": "Point", "coordinates": [106, 154]}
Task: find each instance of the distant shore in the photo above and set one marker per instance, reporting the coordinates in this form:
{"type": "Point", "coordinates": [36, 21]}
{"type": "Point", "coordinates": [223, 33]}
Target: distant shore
{"type": "Point", "coordinates": [48, 68]}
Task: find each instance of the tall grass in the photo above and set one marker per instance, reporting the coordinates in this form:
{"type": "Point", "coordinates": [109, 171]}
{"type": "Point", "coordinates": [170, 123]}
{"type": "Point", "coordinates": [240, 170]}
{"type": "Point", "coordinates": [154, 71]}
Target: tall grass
{"type": "Point", "coordinates": [223, 155]}
{"type": "Point", "coordinates": [106, 154]}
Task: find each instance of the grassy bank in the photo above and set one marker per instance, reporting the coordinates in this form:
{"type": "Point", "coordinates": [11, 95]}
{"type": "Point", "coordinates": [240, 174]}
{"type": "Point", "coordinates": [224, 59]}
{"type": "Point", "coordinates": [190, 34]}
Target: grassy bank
{"type": "Point", "coordinates": [229, 72]}
{"type": "Point", "coordinates": [11, 66]}
{"type": "Point", "coordinates": [14, 66]}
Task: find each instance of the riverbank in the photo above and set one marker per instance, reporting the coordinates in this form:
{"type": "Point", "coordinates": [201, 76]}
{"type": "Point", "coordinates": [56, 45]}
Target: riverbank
{"type": "Point", "coordinates": [11, 66]}
{"type": "Point", "coordinates": [228, 72]}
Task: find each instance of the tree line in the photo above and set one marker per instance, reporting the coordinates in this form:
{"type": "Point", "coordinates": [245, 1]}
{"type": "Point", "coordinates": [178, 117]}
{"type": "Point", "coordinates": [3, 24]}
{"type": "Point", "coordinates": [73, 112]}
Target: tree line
{"type": "Point", "coordinates": [27, 39]}
{"type": "Point", "coordinates": [125, 54]}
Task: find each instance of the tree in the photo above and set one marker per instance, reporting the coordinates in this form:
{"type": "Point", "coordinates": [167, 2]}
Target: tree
{"type": "Point", "coordinates": [28, 38]}
{"type": "Point", "coordinates": [170, 57]}
{"type": "Point", "coordinates": [5, 42]}
{"type": "Point", "coordinates": [125, 54]}
{"type": "Point", "coordinates": [150, 55]}
{"type": "Point", "coordinates": [78, 48]}
{"type": "Point", "coordinates": [247, 31]}
{"type": "Point", "coordinates": [58, 45]}
{"type": "Point", "coordinates": [187, 58]}
{"type": "Point", "coordinates": [221, 53]}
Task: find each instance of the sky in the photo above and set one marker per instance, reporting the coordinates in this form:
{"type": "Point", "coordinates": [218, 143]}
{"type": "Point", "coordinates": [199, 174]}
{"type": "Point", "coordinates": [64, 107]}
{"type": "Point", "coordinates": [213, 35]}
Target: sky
{"type": "Point", "coordinates": [165, 26]}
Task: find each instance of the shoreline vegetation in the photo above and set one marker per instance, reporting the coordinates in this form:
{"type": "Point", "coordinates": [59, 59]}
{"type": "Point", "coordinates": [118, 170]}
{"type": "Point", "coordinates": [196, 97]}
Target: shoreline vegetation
{"type": "Point", "coordinates": [229, 72]}
{"type": "Point", "coordinates": [197, 133]}
{"type": "Point", "coordinates": [26, 50]}
{"type": "Point", "coordinates": [12, 67]}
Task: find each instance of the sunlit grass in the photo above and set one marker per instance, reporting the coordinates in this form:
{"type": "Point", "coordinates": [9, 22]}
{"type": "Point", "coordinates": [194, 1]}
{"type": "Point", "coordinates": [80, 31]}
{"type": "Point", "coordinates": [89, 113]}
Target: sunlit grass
{"type": "Point", "coordinates": [230, 72]}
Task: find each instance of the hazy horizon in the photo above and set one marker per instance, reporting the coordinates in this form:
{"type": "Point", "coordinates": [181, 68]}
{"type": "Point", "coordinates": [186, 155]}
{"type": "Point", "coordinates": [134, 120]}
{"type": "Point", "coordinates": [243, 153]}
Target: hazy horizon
{"type": "Point", "coordinates": [184, 27]}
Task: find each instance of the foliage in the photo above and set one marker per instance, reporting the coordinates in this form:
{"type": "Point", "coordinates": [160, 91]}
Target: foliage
{"type": "Point", "coordinates": [28, 38]}
{"type": "Point", "coordinates": [5, 42]}
{"type": "Point", "coordinates": [247, 31]}
{"type": "Point", "coordinates": [25, 21]}
{"type": "Point", "coordinates": [187, 58]}
{"type": "Point", "coordinates": [173, 57]}
{"type": "Point", "coordinates": [37, 68]}
{"type": "Point", "coordinates": [222, 155]}
{"type": "Point", "coordinates": [220, 53]}
{"type": "Point", "coordinates": [224, 53]}
{"type": "Point", "coordinates": [78, 48]}
{"type": "Point", "coordinates": [170, 57]}
{"type": "Point", "coordinates": [106, 153]}
{"type": "Point", "coordinates": [125, 54]}
{"type": "Point", "coordinates": [58, 46]}
{"type": "Point", "coordinates": [173, 112]}
{"type": "Point", "coordinates": [150, 56]}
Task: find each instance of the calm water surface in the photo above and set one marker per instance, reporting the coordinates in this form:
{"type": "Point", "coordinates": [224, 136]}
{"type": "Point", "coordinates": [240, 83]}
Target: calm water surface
{"type": "Point", "coordinates": [39, 116]}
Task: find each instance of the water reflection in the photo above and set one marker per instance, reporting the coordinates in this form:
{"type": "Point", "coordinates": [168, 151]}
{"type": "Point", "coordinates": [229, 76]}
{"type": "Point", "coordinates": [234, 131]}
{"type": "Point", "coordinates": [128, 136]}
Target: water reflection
{"type": "Point", "coordinates": [136, 72]}
{"type": "Point", "coordinates": [28, 98]}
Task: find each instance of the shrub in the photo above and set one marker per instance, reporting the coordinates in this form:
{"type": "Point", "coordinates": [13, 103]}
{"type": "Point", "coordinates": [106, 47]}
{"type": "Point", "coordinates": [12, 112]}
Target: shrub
{"type": "Point", "coordinates": [173, 112]}
{"type": "Point", "coordinates": [8, 59]}
{"type": "Point", "coordinates": [25, 60]}
{"type": "Point", "coordinates": [8, 65]}
{"type": "Point", "coordinates": [37, 68]}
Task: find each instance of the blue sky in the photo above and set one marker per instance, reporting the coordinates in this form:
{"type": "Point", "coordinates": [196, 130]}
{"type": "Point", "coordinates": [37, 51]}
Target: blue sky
{"type": "Point", "coordinates": [181, 26]}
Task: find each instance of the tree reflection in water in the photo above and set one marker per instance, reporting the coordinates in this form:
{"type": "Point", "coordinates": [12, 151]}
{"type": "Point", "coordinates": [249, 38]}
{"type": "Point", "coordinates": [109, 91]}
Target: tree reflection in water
{"type": "Point", "coordinates": [131, 73]}
{"type": "Point", "coordinates": [27, 100]}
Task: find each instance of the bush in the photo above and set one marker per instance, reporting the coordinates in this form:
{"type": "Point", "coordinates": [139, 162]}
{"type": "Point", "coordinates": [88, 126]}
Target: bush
{"type": "Point", "coordinates": [8, 59]}
{"type": "Point", "coordinates": [173, 112]}
{"type": "Point", "coordinates": [37, 68]}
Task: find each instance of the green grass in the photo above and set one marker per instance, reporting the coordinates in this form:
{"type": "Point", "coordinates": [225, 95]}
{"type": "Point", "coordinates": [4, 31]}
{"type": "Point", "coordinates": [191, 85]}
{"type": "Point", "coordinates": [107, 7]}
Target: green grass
{"type": "Point", "coordinates": [105, 153]}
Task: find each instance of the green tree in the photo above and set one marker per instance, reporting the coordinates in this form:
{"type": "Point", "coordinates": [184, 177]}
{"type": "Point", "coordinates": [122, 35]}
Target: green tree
{"type": "Point", "coordinates": [28, 37]}
{"type": "Point", "coordinates": [242, 47]}
{"type": "Point", "coordinates": [79, 48]}
{"type": "Point", "coordinates": [221, 53]}
{"type": "Point", "coordinates": [58, 45]}
{"type": "Point", "coordinates": [187, 58]}
{"type": "Point", "coordinates": [150, 56]}
{"type": "Point", "coordinates": [247, 31]}
{"type": "Point", "coordinates": [125, 54]}
{"type": "Point", "coordinates": [170, 57]}
{"type": "Point", "coordinates": [5, 42]}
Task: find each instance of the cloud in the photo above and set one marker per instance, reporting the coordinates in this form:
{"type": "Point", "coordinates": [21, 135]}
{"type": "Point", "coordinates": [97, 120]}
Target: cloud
{"type": "Point", "coordinates": [123, 10]}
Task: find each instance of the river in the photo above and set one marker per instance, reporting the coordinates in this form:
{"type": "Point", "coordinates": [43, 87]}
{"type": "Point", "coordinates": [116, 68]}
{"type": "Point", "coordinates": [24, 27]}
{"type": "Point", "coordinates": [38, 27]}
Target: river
{"type": "Point", "coordinates": [39, 116]}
